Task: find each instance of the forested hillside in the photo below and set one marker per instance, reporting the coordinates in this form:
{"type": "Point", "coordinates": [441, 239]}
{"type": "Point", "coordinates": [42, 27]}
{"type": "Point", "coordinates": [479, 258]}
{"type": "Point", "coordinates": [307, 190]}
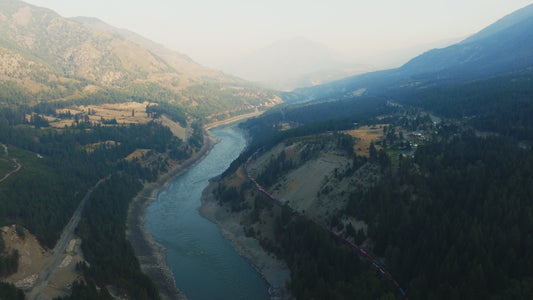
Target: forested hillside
{"type": "Point", "coordinates": [46, 57]}
{"type": "Point", "coordinates": [443, 197]}
{"type": "Point", "coordinates": [414, 182]}
{"type": "Point", "coordinates": [502, 49]}
{"type": "Point", "coordinates": [63, 86]}
{"type": "Point", "coordinates": [455, 222]}
{"type": "Point", "coordinates": [55, 169]}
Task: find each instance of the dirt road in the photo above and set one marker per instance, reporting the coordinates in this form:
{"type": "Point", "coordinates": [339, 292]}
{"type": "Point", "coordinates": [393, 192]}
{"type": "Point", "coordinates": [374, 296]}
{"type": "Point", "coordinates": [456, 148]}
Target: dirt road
{"type": "Point", "coordinates": [17, 168]}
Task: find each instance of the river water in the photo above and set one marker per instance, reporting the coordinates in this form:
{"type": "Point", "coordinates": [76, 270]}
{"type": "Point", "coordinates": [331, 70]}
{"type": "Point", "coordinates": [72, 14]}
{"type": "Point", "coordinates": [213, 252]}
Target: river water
{"type": "Point", "coordinates": [204, 263]}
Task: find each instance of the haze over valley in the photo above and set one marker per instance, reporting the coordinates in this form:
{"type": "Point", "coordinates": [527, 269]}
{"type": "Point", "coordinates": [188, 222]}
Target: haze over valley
{"type": "Point", "coordinates": [216, 33]}
{"type": "Point", "coordinates": [276, 150]}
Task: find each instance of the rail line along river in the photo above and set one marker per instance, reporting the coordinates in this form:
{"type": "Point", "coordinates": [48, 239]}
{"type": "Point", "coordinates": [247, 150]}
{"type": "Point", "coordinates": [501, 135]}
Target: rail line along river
{"type": "Point", "coordinates": [204, 263]}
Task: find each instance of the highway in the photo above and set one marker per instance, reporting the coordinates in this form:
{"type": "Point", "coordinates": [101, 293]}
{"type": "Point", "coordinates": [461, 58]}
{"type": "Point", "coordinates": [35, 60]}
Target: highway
{"type": "Point", "coordinates": [57, 253]}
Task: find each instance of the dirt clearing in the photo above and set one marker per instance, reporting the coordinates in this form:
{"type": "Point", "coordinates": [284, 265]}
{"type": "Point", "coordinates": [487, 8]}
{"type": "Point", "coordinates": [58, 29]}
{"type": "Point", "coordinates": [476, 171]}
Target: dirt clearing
{"type": "Point", "coordinates": [33, 258]}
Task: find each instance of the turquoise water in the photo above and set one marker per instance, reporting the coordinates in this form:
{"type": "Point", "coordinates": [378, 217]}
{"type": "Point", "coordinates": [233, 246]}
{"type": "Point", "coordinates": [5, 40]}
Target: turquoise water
{"type": "Point", "coordinates": [204, 263]}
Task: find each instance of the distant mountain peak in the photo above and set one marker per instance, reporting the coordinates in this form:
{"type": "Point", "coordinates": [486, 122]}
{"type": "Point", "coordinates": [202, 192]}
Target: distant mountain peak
{"type": "Point", "coordinates": [504, 23]}
{"type": "Point", "coordinates": [293, 62]}
{"type": "Point", "coordinates": [501, 49]}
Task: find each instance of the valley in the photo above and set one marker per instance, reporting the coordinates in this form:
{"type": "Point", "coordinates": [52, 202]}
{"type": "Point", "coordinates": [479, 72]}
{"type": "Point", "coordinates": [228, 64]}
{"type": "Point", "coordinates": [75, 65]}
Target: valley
{"type": "Point", "coordinates": [316, 178]}
{"type": "Point", "coordinates": [413, 182]}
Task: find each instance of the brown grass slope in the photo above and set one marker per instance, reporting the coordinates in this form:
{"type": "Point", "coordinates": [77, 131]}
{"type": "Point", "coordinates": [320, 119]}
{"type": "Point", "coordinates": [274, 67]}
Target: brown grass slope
{"type": "Point", "coordinates": [54, 58]}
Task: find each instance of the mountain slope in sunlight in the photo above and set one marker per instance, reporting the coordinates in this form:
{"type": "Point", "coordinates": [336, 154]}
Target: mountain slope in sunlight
{"type": "Point", "coordinates": [50, 58]}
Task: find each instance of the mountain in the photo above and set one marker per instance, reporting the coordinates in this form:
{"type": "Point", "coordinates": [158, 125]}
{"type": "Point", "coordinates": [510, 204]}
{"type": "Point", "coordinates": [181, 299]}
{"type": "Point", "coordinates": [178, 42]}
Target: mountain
{"type": "Point", "coordinates": [496, 50]}
{"type": "Point", "coordinates": [291, 63]}
{"type": "Point", "coordinates": [52, 58]}
{"type": "Point", "coordinates": [507, 22]}
{"type": "Point", "coordinates": [435, 181]}
{"type": "Point", "coordinates": [501, 49]}
{"type": "Point", "coordinates": [177, 60]}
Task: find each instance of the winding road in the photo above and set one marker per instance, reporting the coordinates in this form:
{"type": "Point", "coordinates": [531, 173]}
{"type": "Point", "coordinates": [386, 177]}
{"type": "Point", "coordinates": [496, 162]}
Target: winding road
{"type": "Point", "coordinates": [17, 168]}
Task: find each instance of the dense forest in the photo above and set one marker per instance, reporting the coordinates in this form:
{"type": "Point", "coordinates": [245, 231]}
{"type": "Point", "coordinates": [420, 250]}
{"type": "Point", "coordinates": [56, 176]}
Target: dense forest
{"type": "Point", "coordinates": [500, 105]}
{"type": "Point", "coordinates": [111, 259]}
{"type": "Point", "coordinates": [455, 222]}
{"type": "Point", "coordinates": [450, 217]}
{"type": "Point", "coordinates": [9, 291]}
{"type": "Point", "coordinates": [58, 166]}
{"type": "Point", "coordinates": [322, 266]}
{"type": "Point", "coordinates": [449, 212]}
{"type": "Point", "coordinates": [8, 260]}
{"type": "Point", "coordinates": [443, 200]}
{"type": "Point", "coordinates": [46, 192]}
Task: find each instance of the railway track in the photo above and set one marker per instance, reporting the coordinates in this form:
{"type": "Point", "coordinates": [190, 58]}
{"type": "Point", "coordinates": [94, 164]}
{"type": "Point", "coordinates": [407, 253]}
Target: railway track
{"type": "Point", "coordinates": [380, 267]}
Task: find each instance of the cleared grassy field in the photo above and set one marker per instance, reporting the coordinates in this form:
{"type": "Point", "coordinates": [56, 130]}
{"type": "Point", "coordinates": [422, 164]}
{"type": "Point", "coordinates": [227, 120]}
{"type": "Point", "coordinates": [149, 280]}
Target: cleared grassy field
{"type": "Point", "coordinates": [137, 154]}
{"type": "Point", "coordinates": [365, 135]}
{"type": "Point", "coordinates": [123, 113]}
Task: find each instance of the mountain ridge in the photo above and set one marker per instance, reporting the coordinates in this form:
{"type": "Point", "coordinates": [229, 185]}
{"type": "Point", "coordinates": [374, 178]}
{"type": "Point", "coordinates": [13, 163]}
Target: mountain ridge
{"type": "Point", "coordinates": [176, 59]}
{"type": "Point", "coordinates": [503, 23]}
{"type": "Point", "coordinates": [502, 48]}
{"type": "Point", "coordinates": [62, 59]}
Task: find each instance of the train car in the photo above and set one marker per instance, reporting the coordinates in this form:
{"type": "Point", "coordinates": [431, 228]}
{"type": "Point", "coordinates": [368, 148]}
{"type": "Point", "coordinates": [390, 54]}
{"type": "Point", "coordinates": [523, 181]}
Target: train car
{"type": "Point", "coordinates": [402, 292]}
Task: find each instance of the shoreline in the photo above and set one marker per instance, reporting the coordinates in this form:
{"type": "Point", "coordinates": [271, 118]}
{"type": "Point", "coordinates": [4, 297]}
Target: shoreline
{"type": "Point", "coordinates": [274, 271]}
{"type": "Point", "coordinates": [151, 254]}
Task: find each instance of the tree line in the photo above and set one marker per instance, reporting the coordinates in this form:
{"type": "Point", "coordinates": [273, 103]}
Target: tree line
{"type": "Point", "coordinates": [58, 167]}
{"type": "Point", "coordinates": [455, 222]}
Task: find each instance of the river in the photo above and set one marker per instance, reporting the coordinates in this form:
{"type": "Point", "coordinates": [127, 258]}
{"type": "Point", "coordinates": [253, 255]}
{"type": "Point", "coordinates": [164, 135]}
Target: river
{"type": "Point", "coordinates": [204, 263]}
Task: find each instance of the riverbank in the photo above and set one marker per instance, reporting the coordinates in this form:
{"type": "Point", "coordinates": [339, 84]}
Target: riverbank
{"type": "Point", "coordinates": [274, 271]}
{"type": "Point", "coordinates": [151, 255]}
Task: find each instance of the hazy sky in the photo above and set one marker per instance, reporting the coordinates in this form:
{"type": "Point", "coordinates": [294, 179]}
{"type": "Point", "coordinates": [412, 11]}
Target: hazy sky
{"type": "Point", "coordinates": [213, 32]}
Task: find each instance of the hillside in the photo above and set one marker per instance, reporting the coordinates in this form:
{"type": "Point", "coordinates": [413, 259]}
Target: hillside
{"type": "Point", "coordinates": [442, 203]}
{"type": "Point", "coordinates": [46, 171]}
{"type": "Point", "coordinates": [415, 180]}
{"type": "Point", "coordinates": [81, 105]}
{"type": "Point", "coordinates": [425, 167]}
{"type": "Point", "coordinates": [47, 58]}
{"type": "Point", "coordinates": [176, 60]}
{"type": "Point", "coordinates": [501, 49]}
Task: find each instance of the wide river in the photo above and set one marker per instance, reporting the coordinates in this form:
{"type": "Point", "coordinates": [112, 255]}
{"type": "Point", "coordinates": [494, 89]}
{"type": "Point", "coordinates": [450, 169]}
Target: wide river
{"type": "Point", "coordinates": [204, 263]}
